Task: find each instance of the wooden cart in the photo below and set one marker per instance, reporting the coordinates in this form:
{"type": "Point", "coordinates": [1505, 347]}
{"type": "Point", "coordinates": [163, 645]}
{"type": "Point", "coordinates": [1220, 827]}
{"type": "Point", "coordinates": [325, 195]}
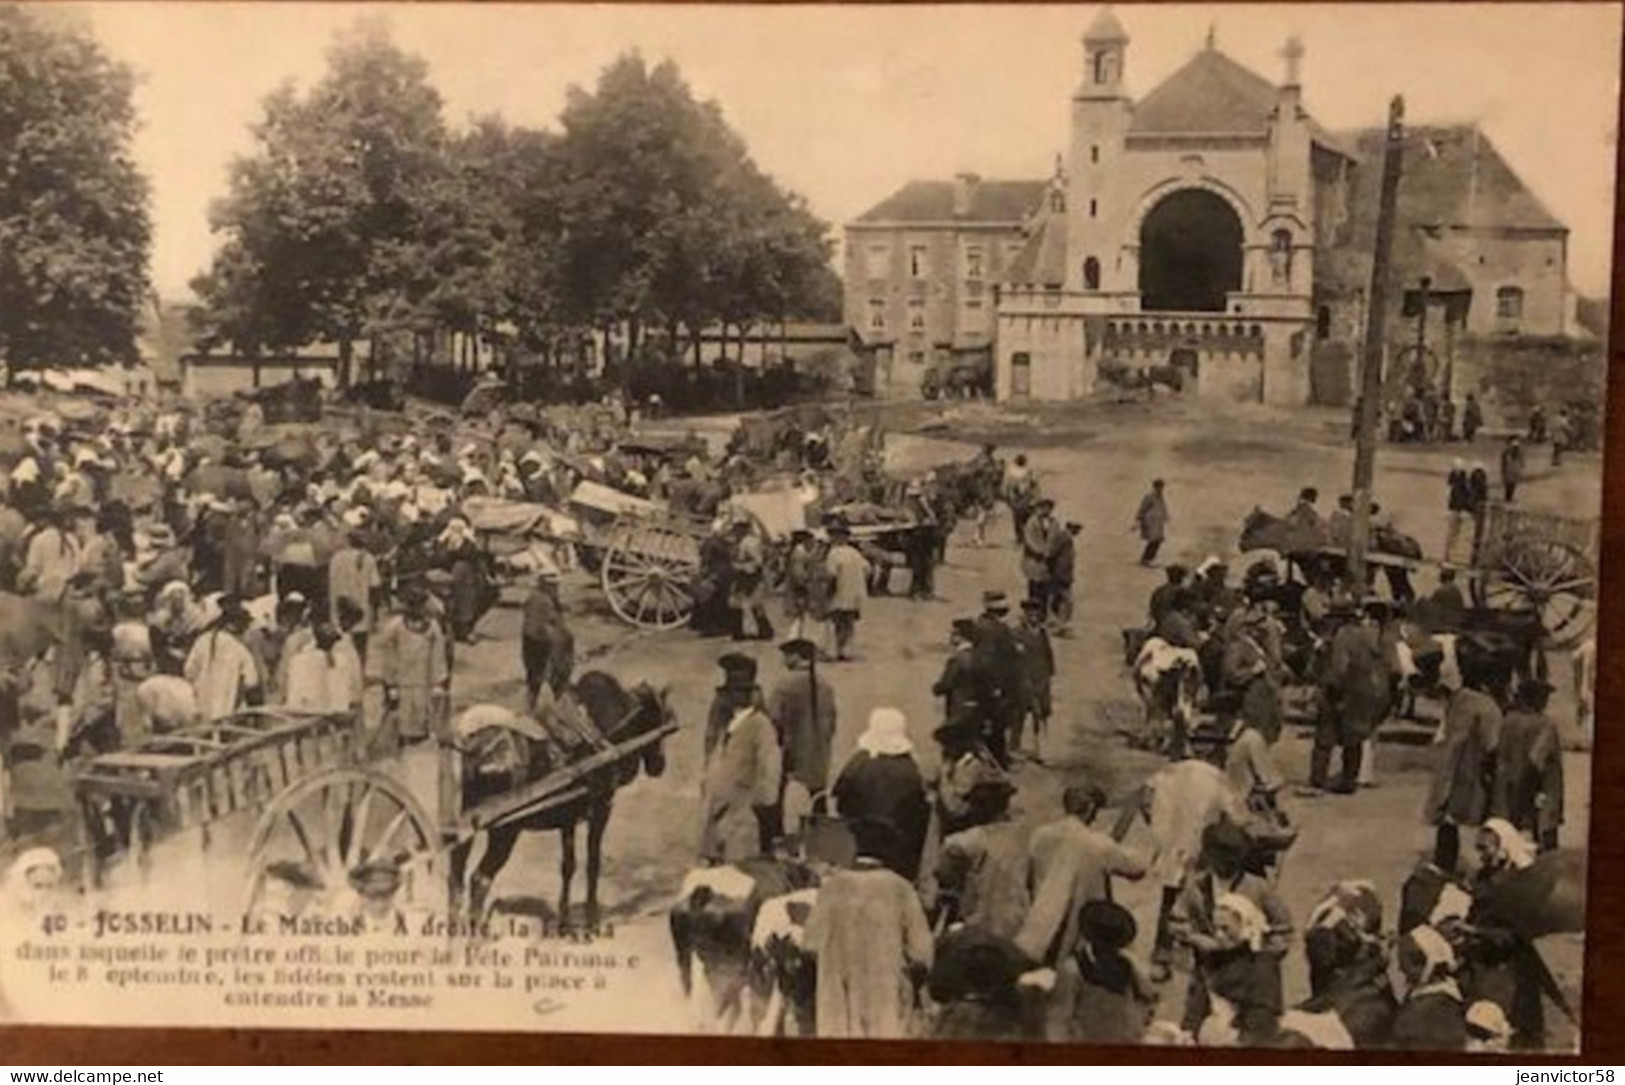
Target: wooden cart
{"type": "Point", "coordinates": [196, 777]}
{"type": "Point", "coordinates": [332, 824]}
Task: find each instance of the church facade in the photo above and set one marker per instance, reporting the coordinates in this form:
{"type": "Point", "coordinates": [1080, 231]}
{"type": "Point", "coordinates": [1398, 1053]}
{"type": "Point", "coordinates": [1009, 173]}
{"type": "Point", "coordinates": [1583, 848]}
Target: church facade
{"type": "Point", "coordinates": [1215, 226]}
{"type": "Point", "coordinates": [1183, 229]}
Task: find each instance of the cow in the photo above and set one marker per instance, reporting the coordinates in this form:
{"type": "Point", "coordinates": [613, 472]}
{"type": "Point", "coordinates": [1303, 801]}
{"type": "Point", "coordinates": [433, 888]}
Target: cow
{"type": "Point", "coordinates": [1169, 682]}
{"type": "Point", "coordinates": [714, 923]}
{"type": "Point", "coordinates": [783, 974]}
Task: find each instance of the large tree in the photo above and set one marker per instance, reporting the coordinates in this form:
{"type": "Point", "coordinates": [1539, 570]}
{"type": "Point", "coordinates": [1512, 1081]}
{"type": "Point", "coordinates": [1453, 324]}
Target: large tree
{"type": "Point", "coordinates": [74, 227]}
{"type": "Point", "coordinates": [666, 219]}
{"type": "Point", "coordinates": [326, 226]}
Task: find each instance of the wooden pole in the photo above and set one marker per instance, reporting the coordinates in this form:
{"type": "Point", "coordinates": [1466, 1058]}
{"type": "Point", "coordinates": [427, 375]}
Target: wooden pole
{"type": "Point", "coordinates": [1365, 448]}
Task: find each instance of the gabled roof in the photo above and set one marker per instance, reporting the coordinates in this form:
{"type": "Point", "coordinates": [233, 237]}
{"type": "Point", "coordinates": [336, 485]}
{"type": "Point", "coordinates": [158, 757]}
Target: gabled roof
{"type": "Point", "coordinates": [1042, 261]}
{"type": "Point", "coordinates": [1004, 202]}
{"type": "Point", "coordinates": [1451, 175]}
{"type": "Point", "coordinates": [1214, 94]}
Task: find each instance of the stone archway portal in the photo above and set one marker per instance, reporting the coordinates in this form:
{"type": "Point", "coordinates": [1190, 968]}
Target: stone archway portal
{"type": "Point", "coordinates": [1190, 253]}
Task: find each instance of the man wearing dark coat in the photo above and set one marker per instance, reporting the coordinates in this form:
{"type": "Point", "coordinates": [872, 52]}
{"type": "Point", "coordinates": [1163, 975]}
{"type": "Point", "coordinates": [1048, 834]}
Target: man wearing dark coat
{"type": "Point", "coordinates": [960, 686]}
{"type": "Point", "coordinates": [802, 707]}
{"type": "Point", "coordinates": [1461, 790]}
{"type": "Point", "coordinates": [997, 659]}
{"type": "Point", "coordinates": [1163, 595]}
{"type": "Point", "coordinates": [1358, 696]}
{"type": "Point", "coordinates": [547, 648]}
{"type": "Point", "coordinates": [1037, 675]}
{"type": "Point", "coordinates": [1528, 788]}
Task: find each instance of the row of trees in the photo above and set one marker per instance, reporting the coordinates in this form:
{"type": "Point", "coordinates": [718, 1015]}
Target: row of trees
{"type": "Point", "coordinates": [74, 227]}
{"type": "Point", "coordinates": [362, 215]}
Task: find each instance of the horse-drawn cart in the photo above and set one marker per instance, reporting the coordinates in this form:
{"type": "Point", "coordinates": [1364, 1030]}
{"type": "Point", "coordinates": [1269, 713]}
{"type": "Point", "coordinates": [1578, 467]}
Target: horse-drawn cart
{"type": "Point", "coordinates": [194, 778]}
{"type": "Point", "coordinates": [422, 815]}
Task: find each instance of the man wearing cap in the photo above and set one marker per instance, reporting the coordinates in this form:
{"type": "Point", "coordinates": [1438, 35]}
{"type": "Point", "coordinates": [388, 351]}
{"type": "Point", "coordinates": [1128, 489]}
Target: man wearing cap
{"type": "Point", "coordinates": [1528, 789]}
{"type": "Point", "coordinates": [1037, 675]}
{"type": "Point", "coordinates": [1069, 864]}
{"type": "Point", "coordinates": [352, 573]}
{"type": "Point", "coordinates": [849, 586]}
{"type": "Point", "coordinates": [997, 662]}
{"type": "Point", "coordinates": [409, 658]}
{"type": "Point", "coordinates": [1151, 521]}
{"type": "Point", "coordinates": [546, 645]}
{"type": "Point", "coordinates": [1063, 573]}
{"type": "Point", "coordinates": [1357, 696]}
{"type": "Point", "coordinates": [1039, 538]}
{"type": "Point", "coordinates": [221, 668]}
{"type": "Point", "coordinates": [743, 769]}
{"type": "Point", "coordinates": [959, 685]}
{"type": "Point", "coordinates": [802, 708]}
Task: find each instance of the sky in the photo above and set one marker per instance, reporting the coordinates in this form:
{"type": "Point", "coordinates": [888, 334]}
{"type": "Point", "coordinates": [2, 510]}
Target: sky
{"type": "Point", "coordinates": [845, 104]}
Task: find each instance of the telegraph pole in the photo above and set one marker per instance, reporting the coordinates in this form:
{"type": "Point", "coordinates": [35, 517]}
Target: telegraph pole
{"type": "Point", "coordinates": [1365, 447]}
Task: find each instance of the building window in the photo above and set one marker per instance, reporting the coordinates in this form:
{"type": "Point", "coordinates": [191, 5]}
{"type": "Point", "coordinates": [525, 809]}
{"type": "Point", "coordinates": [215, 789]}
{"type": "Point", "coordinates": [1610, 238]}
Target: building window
{"type": "Point", "coordinates": [1093, 208]}
{"type": "Point", "coordinates": [1094, 153]}
{"type": "Point", "coordinates": [1281, 257]}
{"type": "Point", "coordinates": [1106, 67]}
{"type": "Point", "coordinates": [917, 261]}
{"type": "Point", "coordinates": [877, 314]}
{"type": "Point", "coordinates": [1091, 274]}
{"type": "Point", "coordinates": [1509, 303]}
{"type": "Point", "coordinates": [973, 289]}
{"type": "Point", "coordinates": [1323, 323]}
{"type": "Point", "coordinates": [916, 357]}
{"type": "Point", "coordinates": [877, 261]}
{"type": "Point", "coordinates": [1021, 374]}
{"type": "Point", "coordinates": [973, 264]}
{"type": "Point", "coordinates": [916, 314]}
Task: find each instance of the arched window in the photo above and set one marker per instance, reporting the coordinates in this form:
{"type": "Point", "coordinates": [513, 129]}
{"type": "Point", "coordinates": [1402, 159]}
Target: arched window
{"type": "Point", "coordinates": [1106, 66]}
{"type": "Point", "coordinates": [1323, 322]}
{"type": "Point", "coordinates": [1091, 274]}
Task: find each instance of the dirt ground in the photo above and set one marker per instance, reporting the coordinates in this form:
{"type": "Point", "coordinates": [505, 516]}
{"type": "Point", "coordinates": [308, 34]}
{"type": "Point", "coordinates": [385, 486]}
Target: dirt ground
{"type": "Point", "coordinates": [1096, 461]}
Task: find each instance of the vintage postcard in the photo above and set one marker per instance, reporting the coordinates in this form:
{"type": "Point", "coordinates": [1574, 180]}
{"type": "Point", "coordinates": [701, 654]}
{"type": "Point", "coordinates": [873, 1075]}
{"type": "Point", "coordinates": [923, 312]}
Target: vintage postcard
{"type": "Point", "coordinates": [1050, 523]}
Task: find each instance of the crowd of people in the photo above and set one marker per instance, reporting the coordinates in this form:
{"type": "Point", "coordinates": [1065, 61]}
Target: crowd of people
{"type": "Point", "coordinates": [952, 917]}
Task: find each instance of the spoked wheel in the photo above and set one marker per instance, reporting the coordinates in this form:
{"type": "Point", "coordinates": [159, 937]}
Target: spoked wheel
{"type": "Point", "coordinates": [1553, 579]}
{"type": "Point", "coordinates": [322, 832]}
{"type": "Point", "coordinates": [648, 574]}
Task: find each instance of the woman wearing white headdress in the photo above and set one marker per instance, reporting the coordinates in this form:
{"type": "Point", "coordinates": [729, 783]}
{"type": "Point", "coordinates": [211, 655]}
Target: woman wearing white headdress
{"type": "Point", "coordinates": [1432, 1016]}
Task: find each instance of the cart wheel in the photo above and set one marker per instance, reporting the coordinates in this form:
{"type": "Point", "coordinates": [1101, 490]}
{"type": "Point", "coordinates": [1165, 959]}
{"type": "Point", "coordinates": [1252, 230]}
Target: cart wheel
{"type": "Point", "coordinates": [331, 824]}
{"type": "Point", "coordinates": [648, 574]}
{"type": "Point", "coordinates": [1553, 579]}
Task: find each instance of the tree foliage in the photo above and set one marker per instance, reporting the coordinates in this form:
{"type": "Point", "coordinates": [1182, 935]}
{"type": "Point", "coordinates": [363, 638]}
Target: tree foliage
{"type": "Point", "coordinates": [74, 226]}
{"type": "Point", "coordinates": [328, 225]}
{"type": "Point", "coordinates": [360, 214]}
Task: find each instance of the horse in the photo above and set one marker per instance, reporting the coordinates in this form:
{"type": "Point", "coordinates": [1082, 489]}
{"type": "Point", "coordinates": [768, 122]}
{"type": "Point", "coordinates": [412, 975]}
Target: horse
{"type": "Point", "coordinates": [499, 760]}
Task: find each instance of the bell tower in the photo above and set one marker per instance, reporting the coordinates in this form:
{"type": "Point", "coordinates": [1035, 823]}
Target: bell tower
{"type": "Point", "coordinates": [1100, 118]}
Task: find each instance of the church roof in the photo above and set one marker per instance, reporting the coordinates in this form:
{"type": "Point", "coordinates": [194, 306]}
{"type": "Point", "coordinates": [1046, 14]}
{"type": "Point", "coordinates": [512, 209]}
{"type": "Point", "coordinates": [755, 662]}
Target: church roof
{"type": "Point", "coordinates": [1452, 175]}
{"type": "Point", "coordinates": [1042, 261]}
{"type": "Point", "coordinates": [1215, 94]}
{"type": "Point", "coordinates": [1003, 202]}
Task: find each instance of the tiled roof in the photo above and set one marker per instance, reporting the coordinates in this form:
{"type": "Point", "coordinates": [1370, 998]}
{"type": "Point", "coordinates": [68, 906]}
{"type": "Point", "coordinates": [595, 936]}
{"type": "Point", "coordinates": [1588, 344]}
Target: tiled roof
{"type": "Point", "coordinates": [1213, 93]}
{"type": "Point", "coordinates": [1452, 175]}
{"type": "Point", "coordinates": [1042, 261]}
{"type": "Point", "coordinates": [933, 201]}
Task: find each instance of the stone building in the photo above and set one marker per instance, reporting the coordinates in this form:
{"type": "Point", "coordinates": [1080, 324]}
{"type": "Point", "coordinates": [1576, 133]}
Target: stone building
{"type": "Point", "coordinates": [920, 273]}
{"type": "Point", "coordinates": [1214, 225]}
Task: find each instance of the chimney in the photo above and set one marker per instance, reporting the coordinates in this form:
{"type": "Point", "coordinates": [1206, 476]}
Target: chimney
{"type": "Point", "coordinates": [964, 193]}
